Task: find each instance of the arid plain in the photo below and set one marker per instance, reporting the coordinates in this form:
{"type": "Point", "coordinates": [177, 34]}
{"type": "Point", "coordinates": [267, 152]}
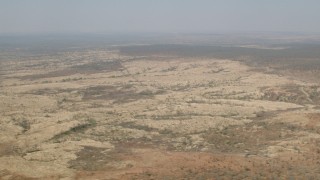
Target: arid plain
{"type": "Point", "coordinates": [110, 113]}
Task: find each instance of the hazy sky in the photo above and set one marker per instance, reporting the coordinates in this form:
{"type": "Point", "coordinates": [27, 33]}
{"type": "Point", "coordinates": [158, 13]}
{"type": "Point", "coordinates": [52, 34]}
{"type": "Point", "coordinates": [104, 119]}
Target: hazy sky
{"type": "Point", "coordinates": [32, 16]}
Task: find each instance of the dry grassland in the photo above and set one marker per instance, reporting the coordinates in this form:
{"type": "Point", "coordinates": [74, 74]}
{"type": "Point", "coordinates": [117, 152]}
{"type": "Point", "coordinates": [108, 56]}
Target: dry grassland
{"type": "Point", "coordinates": [102, 115]}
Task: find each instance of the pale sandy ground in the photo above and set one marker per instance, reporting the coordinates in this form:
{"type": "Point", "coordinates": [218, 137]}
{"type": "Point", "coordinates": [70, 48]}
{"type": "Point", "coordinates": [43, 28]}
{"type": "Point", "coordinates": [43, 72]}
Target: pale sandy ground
{"type": "Point", "coordinates": [42, 132]}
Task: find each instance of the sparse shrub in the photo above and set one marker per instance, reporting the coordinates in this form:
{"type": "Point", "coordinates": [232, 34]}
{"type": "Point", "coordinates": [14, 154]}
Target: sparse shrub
{"type": "Point", "coordinates": [90, 122]}
{"type": "Point", "coordinates": [146, 93]}
{"type": "Point", "coordinates": [22, 122]}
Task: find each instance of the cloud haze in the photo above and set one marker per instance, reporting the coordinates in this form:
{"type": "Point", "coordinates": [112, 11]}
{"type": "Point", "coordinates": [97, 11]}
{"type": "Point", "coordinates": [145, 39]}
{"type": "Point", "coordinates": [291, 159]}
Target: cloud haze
{"type": "Point", "coordinates": [33, 16]}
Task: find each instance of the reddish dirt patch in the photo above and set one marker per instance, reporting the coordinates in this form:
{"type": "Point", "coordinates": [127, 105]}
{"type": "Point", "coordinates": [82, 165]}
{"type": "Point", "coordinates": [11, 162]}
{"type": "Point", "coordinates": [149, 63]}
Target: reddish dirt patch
{"type": "Point", "coordinates": [314, 120]}
{"type": "Point", "coordinates": [5, 174]}
{"type": "Point", "coordinates": [160, 164]}
{"type": "Point", "coordinates": [7, 149]}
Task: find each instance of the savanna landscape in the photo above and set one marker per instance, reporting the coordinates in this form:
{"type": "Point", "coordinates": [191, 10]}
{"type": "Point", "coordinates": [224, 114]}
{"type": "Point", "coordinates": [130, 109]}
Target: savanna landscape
{"type": "Point", "coordinates": [192, 107]}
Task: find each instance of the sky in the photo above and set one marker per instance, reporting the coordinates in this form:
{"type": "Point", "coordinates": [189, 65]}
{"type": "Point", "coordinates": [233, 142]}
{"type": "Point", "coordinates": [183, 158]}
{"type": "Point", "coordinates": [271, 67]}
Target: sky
{"type": "Point", "coordinates": [159, 16]}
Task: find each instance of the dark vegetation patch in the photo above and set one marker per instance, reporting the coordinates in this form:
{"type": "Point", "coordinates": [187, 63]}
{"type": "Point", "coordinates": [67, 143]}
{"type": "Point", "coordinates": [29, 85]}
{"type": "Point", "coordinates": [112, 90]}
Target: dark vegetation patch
{"type": "Point", "coordinates": [177, 115]}
{"type": "Point", "coordinates": [90, 159]}
{"type": "Point", "coordinates": [95, 67]}
{"type": "Point", "coordinates": [90, 123]}
{"type": "Point", "coordinates": [180, 115]}
{"type": "Point", "coordinates": [89, 68]}
{"type": "Point", "coordinates": [22, 122]}
{"type": "Point", "coordinates": [265, 115]}
{"type": "Point", "coordinates": [118, 94]}
{"type": "Point", "coordinates": [253, 137]}
{"type": "Point", "coordinates": [296, 60]}
{"type": "Point", "coordinates": [93, 158]}
{"type": "Point", "coordinates": [293, 94]}
{"type": "Point", "coordinates": [287, 93]}
{"type": "Point", "coordinates": [132, 125]}
{"type": "Point", "coordinates": [221, 94]}
{"type": "Point", "coordinates": [50, 91]}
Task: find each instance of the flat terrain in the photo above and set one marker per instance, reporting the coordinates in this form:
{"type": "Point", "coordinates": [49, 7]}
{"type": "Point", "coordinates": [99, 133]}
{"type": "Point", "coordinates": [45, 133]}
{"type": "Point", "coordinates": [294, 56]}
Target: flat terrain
{"type": "Point", "coordinates": [110, 114]}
